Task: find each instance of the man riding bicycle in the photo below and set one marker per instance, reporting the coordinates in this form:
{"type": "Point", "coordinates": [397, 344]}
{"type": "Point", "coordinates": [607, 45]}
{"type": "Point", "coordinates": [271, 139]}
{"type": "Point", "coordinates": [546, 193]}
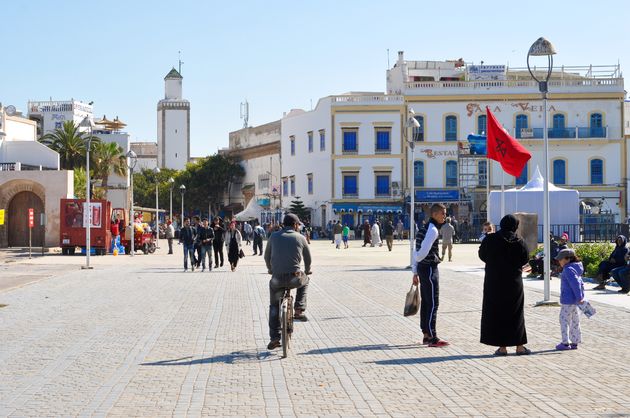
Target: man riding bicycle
{"type": "Point", "coordinates": [284, 253]}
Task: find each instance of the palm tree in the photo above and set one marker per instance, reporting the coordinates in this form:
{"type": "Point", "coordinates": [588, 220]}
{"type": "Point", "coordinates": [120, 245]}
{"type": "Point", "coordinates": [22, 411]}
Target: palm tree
{"type": "Point", "coordinates": [107, 158]}
{"type": "Point", "coordinates": [70, 143]}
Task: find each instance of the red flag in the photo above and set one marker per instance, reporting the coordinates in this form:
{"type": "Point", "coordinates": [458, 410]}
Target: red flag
{"type": "Point", "coordinates": [503, 148]}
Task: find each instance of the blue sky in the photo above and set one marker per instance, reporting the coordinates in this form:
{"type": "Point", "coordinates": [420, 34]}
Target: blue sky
{"type": "Point", "coordinates": [278, 55]}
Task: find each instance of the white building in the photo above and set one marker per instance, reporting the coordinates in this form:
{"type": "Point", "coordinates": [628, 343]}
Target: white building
{"type": "Point", "coordinates": [365, 168]}
{"type": "Point", "coordinates": [173, 124]}
{"type": "Point", "coordinates": [147, 155]}
{"type": "Point", "coordinates": [29, 179]}
{"type": "Point", "coordinates": [51, 114]}
{"type": "Point", "coordinates": [257, 149]}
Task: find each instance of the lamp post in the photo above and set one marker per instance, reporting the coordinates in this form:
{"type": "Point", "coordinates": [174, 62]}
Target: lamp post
{"type": "Point", "coordinates": [170, 183]}
{"type": "Point", "coordinates": [156, 171]}
{"type": "Point", "coordinates": [412, 123]}
{"type": "Point", "coordinates": [182, 191]}
{"type": "Point", "coordinates": [132, 159]}
{"type": "Point", "coordinates": [543, 47]}
{"type": "Point", "coordinates": [87, 123]}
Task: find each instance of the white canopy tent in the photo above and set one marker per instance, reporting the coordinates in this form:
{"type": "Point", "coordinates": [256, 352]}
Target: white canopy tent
{"type": "Point", "coordinates": [251, 212]}
{"type": "Point", "coordinates": [564, 204]}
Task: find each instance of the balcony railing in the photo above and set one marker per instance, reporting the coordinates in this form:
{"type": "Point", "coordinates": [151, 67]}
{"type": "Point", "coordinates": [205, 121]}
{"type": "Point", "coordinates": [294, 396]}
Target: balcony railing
{"type": "Point", "coordinates": [10, 166]}
{"type": "Point", "coordinates": [507, 84]}
{"type": "Point", "coordinates": [560, 133]}
{"type": "Point", "coordinates": [367, 99]}
{"type": "Point", "coordinates": [23, 167]}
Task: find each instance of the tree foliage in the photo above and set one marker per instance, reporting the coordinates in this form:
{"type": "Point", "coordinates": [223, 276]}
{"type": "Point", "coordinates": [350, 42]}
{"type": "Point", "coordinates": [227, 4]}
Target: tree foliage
{"type": "Point", "coordinates": [107, 158]}
{"type": "Point", "coordinates": [206, 181]}
{"type": "Point", "coordinates": [70, 143]}
{"type": "Point", "coordinates": [297, 207]}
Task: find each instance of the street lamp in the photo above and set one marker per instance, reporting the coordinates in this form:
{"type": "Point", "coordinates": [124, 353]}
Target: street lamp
{"type": "Point", "coordinates": [543, 47]}
{"type": "Point", "coordinates": [170, 183]}
{"type": "Point", "coordinates": [87, 123]}
{"type": "Point", "coordinates": [182, 191]}
{"type": "Point", "coordinates": [132, 159]}
{"type": "Point", "coordinates": [412, 123]}
{"type": "Point", "coordinates": [156, 171]}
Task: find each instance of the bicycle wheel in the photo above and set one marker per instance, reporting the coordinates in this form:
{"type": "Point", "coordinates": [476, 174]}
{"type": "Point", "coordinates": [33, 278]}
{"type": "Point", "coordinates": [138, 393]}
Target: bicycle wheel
{"type": "Point", "coordinates": [285, 328]}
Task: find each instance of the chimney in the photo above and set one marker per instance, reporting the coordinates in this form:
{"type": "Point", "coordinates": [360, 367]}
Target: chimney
{"type": "Point", "coordinates": [401, 56]}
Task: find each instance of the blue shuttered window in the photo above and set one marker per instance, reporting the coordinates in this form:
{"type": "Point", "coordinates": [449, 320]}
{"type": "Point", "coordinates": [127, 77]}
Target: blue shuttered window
{"type": "Point", "coordinates": [418, 173]}
{"type": "Point", "coordinates": [597, 171]}
{"type": "Point", "coordinates": [418, 133]}
{"type": "Point", "coordinates": [350, 185]}
{"type": "Point", "coordinates": [451, 173]}
{"type": "Point", "coordinates": [383, 144]}
{"type": "Point", "coordinates": [481, 124]}
{"type": "Point", "coordinates": [350, 142]}
{"type": "Point", "coordinates": [450, 128]}
{"type": "Point", "coordinates": [382, 185]}
{"type": "Point", "coordinates": [559, 172]}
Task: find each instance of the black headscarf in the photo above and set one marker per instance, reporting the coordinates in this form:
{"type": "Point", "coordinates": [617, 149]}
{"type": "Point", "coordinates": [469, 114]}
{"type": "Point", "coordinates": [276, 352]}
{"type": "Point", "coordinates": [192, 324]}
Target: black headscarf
{"type": "Point", "coordinates": [509, 225]}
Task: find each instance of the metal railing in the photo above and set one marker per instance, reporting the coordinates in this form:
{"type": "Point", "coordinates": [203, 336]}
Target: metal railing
{"type": "Point", "coordinates": [578, 233]}
{"type": "Point", "coordinates": [482, 84]}
{"type": "Point", "coordinates": [569, 133]}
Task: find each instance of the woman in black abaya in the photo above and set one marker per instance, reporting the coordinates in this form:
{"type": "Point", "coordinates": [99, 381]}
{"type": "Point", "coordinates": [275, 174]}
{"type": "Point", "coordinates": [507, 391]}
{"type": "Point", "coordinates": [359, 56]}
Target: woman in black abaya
{"type": "Point", "coordinates": [502, 317]}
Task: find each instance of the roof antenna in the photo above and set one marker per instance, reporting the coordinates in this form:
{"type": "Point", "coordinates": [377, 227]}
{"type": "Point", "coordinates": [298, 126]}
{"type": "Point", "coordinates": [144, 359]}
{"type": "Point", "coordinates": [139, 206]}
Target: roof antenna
{"type": "Point", "coordinates": [179, 59]}
{"type": "Point", "coordinates": [245, 113]}
{"type": "Point", "coordinates": [388, 58]}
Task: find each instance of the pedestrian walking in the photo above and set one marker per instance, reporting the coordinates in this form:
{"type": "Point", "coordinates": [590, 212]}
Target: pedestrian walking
{"type": "Point", "coordinates": [367, 233]}
{"type": "Point", "coordinates": [448, 234]}
{"type": "Point", "coordinates": [455, 224]}
{"type": "Point", "coordinates": [247, 231]}
{"type": "Point", "coordinates": [465, 231]}
{"type": "Point", "coordinates": [571, 294]}
{"type": "Point", "coordinates": [170, 234]}
{"type": "Point", "coordinates": [337, 230]}
{"type": "Point", "coordinates": [187, 237]}
{"type": "Point", "coordinates": [502, 316]}
{"type": "Point", "coordinates": [233, 242]}
{"type": "Point", "coordinates": [399, 229]}
{"type": "Point", "coordinates": [329, 228]}
{"type": "Point", "coordinates": [376, 235]}
{"type": "Point", "coordinates": [259, 233]}
{"type": "Point", "coordinates": [205, 236]}
{"type": "Point", "coordinates": [426, 258]}
{"type": "Point", "coordinates": [217, 243]}
{"type": "Point", "coordinates": [388, 230]}
{"type": "Point", "coordinates": [196, 224]}
{"type": "Point", "coordinates": [345, 233]}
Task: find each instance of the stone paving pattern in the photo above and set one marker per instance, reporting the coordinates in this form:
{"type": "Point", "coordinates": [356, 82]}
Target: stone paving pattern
{"type": "Point", "coordinates": [138, 337]}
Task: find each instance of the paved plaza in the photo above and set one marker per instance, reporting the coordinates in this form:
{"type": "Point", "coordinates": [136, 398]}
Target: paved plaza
{"type": "Point", "coordinates": [138, 337]}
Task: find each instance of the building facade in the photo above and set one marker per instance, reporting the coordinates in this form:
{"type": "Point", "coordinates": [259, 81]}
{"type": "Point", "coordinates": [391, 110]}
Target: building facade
{"type": "Point", "coordinates": [51, 114]}
{"type": "Point", "coordinates": [364, 169]}
{"type": "Point", "coordinates": [173, 124]}
{"type": "Point", "coordinates": [257, 149]}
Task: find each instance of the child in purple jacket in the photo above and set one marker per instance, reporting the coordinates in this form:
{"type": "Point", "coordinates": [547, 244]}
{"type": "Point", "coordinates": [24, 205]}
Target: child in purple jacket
{"type": "Point", "coordinates": [571, 293]}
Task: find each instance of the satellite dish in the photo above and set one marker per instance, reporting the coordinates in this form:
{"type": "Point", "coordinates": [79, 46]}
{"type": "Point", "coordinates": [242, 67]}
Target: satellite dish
{"type": "Point", "coordinates": [10, 110]}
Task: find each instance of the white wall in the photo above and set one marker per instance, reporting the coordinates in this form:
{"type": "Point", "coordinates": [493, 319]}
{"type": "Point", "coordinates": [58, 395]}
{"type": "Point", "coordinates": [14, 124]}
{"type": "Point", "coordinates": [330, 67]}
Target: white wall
{"type": "Point", "coordinates": [176, 138]}
{"type": "Point", "coordinates": [29, 152]}
{"type": "Point", "coordinates": [20, 129]}
{"type": "Point", "coordinates": [298, 124]}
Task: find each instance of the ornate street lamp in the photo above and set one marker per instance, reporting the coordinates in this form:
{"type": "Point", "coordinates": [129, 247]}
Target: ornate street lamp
{"type": "Point", "coordinates": [132, 160]}
{"type": "Point", "coordinates": [412, 124]}
{"type": "Point", "coordinates": [87, 123]}
{"type": "Point", "coordinates": [543, 47]}
{"type": "Point", "coordinates": [182, 191]}
{"type": "Point", "coordinates": [170, 184]}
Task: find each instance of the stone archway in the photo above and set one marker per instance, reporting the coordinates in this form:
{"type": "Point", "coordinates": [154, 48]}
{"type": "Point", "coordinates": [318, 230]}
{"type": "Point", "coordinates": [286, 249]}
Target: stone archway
{"type": "Point", "coordinates": [17, 220]}
{"type": "Point", "coordinates": [8, 191]}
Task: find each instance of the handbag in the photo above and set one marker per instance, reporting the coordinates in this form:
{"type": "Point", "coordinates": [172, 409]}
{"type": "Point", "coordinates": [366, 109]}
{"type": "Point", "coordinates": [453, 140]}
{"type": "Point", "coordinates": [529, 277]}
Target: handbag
{"type": "Point", "coordinates": [241, 254]}
{"type": "Point", "coordinates": [412, 301]}
{"type": "Point", "coordinates": [587, 309]}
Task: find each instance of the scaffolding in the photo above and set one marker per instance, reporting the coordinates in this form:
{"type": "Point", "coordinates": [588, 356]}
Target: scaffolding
{"type": "Point", "coordinates": [472, 176]}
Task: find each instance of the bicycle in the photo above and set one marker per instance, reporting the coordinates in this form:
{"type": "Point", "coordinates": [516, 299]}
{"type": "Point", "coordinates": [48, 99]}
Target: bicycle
{"type": "Point", "coordinates": [286, 321]}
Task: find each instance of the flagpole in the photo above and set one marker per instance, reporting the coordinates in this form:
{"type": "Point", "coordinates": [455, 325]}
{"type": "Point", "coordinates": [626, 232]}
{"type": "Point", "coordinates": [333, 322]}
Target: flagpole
{"type": "Point", "coordinates": [488, 169]}
{"type": "Point", "coordinates": [502, 194]}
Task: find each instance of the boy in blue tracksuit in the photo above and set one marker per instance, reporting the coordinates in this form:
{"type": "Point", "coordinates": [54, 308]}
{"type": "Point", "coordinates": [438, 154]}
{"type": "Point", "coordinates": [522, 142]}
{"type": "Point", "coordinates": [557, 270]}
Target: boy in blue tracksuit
{"type": "Point", "coordinates": [571, 293]}
{"type": "Point", "coordinates": [426, 258]}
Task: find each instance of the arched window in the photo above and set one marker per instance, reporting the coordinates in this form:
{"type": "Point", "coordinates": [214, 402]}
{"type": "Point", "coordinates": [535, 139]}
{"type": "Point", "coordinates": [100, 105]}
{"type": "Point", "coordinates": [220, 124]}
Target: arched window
{"type": "Point", "coordinates": [418, 173]}
{"type": "Point", "coordinates": [451, 173]}
{"type": "Point", "coordinates": [597, 171]}
{"type": "Point", "coordinates": [481, 124]}
{"type": "Point", "coordinates": [558, 121]}
{"type": "Point", "coordinates": [450, 128]}
{"type": "Point", "coordinates": [522, 179]}
{"type": "Point", "coordinates": [418, 133]}
{"type": "Point", "coordinates": [559, 172]}
{"type": "Point", "coordinates": [522, 122]}
{"type": "Point", "coordinates": [597, 127]}
{"type": "Point", "coordinates": [482, 173]}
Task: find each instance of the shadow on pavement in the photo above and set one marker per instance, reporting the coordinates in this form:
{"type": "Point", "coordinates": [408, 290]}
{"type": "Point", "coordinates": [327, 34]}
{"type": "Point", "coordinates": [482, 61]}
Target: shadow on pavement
{"type": "Point", "coordinates": [231, 358]}
{"type": "Point", "coordinates": [371, 347]}
{"type": "Point", "coordinates": [440, 359]}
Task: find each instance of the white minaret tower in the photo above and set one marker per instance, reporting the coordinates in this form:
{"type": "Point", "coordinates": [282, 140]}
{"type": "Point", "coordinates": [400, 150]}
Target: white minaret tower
{"type": "Point", "coordinates": [173, 124]}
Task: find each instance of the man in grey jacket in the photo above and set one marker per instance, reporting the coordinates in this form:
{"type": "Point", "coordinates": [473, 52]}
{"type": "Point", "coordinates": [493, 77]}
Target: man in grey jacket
{"type": "Point", "coordinates": [448, 234]}
{"type": "Point", "coordinates": [284, 254]}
